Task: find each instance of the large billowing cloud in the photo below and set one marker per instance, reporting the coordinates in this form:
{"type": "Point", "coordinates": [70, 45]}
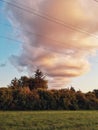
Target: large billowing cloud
{"type": "Point", "coordinates": [58, 35]}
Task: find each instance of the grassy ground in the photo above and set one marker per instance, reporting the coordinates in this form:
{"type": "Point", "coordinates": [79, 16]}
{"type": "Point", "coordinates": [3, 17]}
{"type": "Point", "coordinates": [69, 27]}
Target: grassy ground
{"type": "Point", "coordinates": [49, 120]}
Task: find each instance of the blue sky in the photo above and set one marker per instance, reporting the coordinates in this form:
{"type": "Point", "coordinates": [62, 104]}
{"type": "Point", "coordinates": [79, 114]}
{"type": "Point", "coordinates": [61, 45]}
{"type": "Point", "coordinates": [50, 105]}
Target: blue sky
{"type": "Point", "coordinates": [87, 82]}
{"type": "Point", "coordinates": [7, 48]}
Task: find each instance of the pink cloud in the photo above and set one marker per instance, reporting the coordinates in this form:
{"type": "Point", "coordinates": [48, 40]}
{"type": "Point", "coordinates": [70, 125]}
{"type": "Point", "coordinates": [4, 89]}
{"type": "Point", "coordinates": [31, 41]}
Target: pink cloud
{"type": "Point", "coordinates": [60, 47]}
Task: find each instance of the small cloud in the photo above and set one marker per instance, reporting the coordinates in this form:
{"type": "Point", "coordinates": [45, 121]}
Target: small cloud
{"type": "Point", "coordinates": [2, 65]}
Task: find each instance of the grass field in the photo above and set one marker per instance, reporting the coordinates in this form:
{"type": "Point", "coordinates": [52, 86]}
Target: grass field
{"type": "Point", "coordinates": [49, 120]}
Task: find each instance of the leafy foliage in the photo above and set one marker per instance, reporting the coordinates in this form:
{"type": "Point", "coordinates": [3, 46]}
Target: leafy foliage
{"type": "Point", "coordinates": [30, 93]}
{"type": "Point", "coordinates": [34, 82]}
{"type": "Point", "coordinates": [41, 99]}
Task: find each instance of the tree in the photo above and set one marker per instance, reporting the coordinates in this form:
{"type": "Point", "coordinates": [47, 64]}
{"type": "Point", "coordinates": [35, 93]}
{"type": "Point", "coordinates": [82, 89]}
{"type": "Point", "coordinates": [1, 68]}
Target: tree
{"type": "Point", "coordinates": [35, 82]}
{"type": "Point", "coordinates": [14, 83]}
{"type": "Point", "coordinates": [95, 91]}
{"type": "Point", "coordinates": [39, 75]}
{"type": "Point", "coordinates": [38, 81]}
{"type": "Point", "coordinates": [24, 81]}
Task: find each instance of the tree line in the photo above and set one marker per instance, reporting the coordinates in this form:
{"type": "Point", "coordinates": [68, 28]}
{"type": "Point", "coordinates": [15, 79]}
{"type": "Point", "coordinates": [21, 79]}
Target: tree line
{"type": "Point", "coordinates": [31, 93]}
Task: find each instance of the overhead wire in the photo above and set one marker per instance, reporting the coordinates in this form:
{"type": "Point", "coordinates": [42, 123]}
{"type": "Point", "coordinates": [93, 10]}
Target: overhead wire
{"type": "Point", "coordinates": [46, 14]}
{"type": "Point", "coordinates": [34, 33]}
{"type": "Point", "coordinates": [23, 42]}
{"type": "Point", "coordinates": [49, 50]}
{"type": "Point", "coordinates": [11, 39]}
{"type": "Point", "coordinates": [95, 0]}
{"type": "Point", "coordinates": [39, 35]}
{"type": "Point", "coordinates": [51, 19]}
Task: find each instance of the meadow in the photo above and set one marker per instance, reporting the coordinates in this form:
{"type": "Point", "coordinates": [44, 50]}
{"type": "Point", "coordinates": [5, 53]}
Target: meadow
{"type": "Point", "coordinates": [48, 120]}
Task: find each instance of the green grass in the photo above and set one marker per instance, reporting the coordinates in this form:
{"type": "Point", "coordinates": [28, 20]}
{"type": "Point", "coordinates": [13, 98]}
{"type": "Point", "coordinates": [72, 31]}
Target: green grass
{"type": "Point", "coordinates": [49, 120]}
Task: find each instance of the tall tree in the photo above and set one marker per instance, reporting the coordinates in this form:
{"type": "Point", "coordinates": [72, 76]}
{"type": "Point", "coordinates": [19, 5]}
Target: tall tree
{"type": "Point", "coordinates": [14, 83]}
{"type": "Point", "coordinates": [38, 81]}
{"type": "Point", "coordinates": [39, 75]}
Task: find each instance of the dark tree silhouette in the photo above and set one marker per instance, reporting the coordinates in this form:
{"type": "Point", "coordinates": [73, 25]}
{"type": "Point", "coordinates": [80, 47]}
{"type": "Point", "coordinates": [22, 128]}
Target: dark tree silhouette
{"type": "Point", "coordinates": [34, 82]}
{"type": "Point", "coordinates": [38, 81]}
{"type": "Point", "coordinates": [14, 83]}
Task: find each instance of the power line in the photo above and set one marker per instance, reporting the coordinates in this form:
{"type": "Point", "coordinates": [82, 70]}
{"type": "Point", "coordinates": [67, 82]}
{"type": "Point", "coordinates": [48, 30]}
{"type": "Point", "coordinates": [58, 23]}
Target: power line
{"type": "Point", "coordinates": [50, 19]}
{"type": "Point", "coordinates": [39, 35]}
{"type": "Point", "coordinates": [49, 50]}
{"type": "Point", "coordinates": [11, 39]}
{"type": "Point", "coordinates": [46, 14]}
{"type": "Point", "coordinates": [95, 0]}
{"type": "Point", "coordinates": [36, 34]}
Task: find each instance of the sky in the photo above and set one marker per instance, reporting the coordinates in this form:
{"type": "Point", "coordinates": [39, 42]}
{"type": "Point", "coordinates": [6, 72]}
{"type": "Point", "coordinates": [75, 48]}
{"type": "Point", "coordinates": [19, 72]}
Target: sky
{"type": "Point", "coordinates": [57, 36]}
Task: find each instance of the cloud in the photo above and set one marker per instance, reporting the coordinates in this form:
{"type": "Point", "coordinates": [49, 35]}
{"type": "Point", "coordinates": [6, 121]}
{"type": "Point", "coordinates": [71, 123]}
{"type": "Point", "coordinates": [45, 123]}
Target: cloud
{"type": "Point", "coordinates": [2, 65]}
{"type": "Point", "coordinates": [61, 47]}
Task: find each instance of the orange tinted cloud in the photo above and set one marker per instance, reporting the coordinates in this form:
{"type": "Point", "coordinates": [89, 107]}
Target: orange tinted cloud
{"type": "Point", "coordinates": [62, 43]}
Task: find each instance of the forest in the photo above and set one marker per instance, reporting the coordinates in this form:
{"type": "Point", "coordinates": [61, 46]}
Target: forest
{"type": "Point", "coordinates": [32, 93]}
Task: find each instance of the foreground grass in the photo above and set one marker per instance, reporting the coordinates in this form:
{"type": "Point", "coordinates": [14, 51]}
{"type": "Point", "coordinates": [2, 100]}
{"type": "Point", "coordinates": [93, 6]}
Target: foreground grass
{"type": "Point", "coordinates": [49, 120]}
